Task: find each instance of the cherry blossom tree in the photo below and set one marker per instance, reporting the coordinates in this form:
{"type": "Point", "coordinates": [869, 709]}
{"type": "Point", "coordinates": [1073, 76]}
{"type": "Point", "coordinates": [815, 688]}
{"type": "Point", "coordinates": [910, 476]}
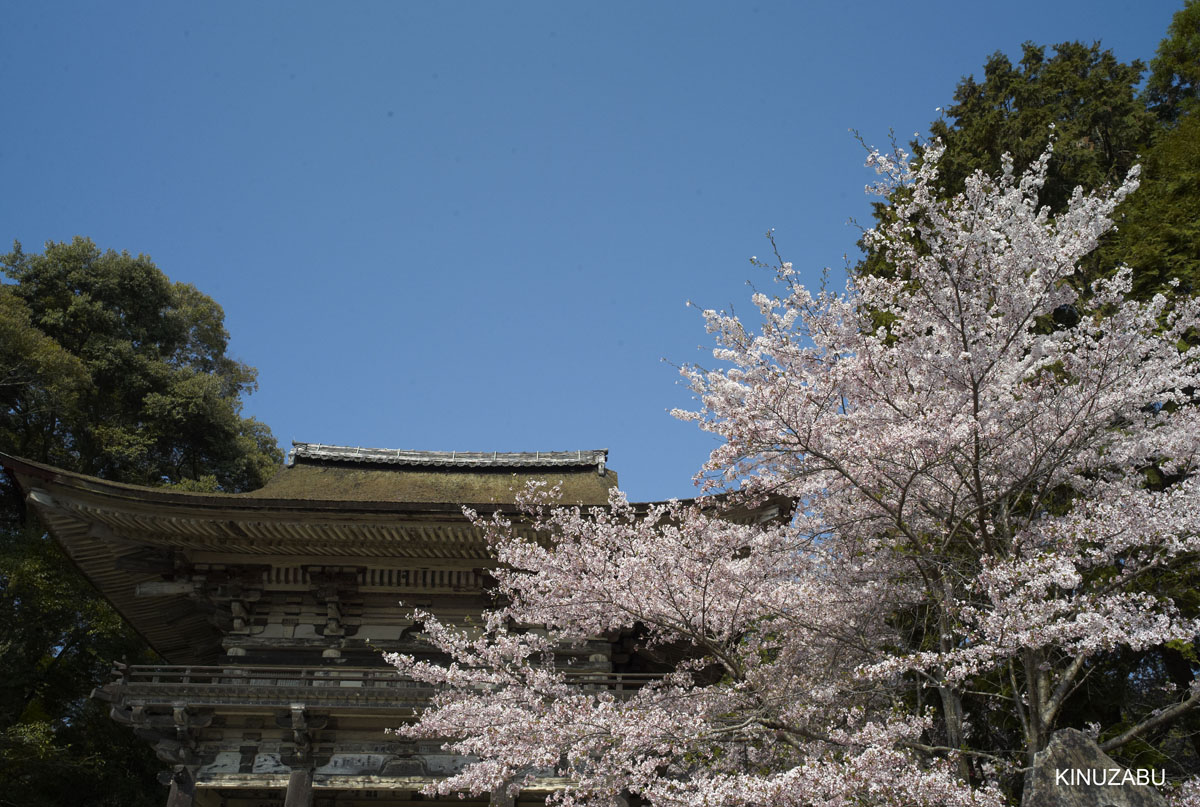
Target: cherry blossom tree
{"type": "Point", "coordinates": [973, 534]}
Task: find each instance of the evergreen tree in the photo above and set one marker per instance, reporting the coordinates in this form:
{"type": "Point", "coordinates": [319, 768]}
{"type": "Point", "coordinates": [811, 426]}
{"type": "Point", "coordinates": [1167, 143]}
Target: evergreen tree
{"type": "Point", "coordinates": [1174, 83]}
{"type": "Point", "coordinates": [1088, 96]}
{"type": "Point", "coordinates": [1103, 123]}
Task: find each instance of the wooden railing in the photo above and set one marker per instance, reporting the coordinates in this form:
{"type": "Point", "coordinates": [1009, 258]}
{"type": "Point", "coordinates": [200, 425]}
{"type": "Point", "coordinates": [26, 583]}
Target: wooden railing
{"type": "Point", "coordinates": [382, 686]}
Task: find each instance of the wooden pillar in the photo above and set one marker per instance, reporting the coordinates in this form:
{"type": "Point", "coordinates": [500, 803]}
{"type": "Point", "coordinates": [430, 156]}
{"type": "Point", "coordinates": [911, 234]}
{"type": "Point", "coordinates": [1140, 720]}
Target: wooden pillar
{"type": "Point", "coordinates": [299, 789]}
{"type": "Point", "coordinates": [183, 789]}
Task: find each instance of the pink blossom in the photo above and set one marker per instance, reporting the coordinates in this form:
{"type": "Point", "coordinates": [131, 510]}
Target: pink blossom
{"type": "Point", "coordinates": [970, 508]}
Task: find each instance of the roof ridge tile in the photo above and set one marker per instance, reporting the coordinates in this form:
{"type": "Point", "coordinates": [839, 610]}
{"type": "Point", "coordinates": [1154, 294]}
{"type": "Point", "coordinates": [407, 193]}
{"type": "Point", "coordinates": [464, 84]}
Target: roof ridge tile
{"type": "Point", "coordinates": [475, 459]}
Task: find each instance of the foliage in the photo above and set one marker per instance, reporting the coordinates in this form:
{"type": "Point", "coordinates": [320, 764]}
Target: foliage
{"type": "Point", "coordinates": [974, 537]}
{"type": "Point", "coordinates": [1084, 92]}
{"type": "Point", "coordinates": [160, 402]}
{"type": "Point", "coordinates": [1174, 84]}
{"type": "Point", "coordinates": [107, 368]}
{"type": "Point", "coordinates": [1159, 231]}
{"type": "Point", "coordinates": [58, 640]}
{"type": "Point", "coordinates": [1104, 124]}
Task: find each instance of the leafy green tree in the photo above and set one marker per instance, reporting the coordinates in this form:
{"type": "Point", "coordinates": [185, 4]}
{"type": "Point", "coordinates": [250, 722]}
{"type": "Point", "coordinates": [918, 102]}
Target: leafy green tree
{"type": "Point", "coordinates": [1089, 97]}
{"type": "Point", "coordinates": [1159, 230]}
{"type": "Point", "coordinates": [110, 369]}
{"type": "Point", "coordinates": [162, 401]}
{"type": "Point", "coordinates": [1084, 92]}
{"type": "Point", "coordinates": [1103, 125]}
{"type": "Point", "coordinates": [1174, 84]}
{"type": "Point", "coordinates": [58, 640]}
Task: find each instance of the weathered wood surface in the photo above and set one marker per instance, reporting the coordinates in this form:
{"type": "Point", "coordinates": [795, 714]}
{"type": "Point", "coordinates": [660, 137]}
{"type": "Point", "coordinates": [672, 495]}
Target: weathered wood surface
{"type": "Point", "coordinates": [299, 789]}
{"type": "Point", "coordinates": [183, 789]}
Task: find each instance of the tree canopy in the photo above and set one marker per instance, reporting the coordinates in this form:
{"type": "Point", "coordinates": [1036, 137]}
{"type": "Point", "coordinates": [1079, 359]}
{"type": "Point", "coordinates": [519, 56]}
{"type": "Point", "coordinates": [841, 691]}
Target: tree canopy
{"type": "Point", "coordinates": [1174, 84]}
{"type": "Point", "coordinates": [149, 396]}
{"type": "Point", "coordinates": [1104, 121]}
{"type": "Point", "coordinates": [110, 369]}
{"type": "Point", "coordinates": [1083, 91]}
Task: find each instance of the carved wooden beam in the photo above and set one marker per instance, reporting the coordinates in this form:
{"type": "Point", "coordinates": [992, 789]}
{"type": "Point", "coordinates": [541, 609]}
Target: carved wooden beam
{"type": "Point", "coordinates": [304, 727]}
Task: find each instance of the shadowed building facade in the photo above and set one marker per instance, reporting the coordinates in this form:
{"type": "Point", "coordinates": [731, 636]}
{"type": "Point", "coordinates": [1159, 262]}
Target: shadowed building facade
{"type": "Point", "coordinates": [271, 610]}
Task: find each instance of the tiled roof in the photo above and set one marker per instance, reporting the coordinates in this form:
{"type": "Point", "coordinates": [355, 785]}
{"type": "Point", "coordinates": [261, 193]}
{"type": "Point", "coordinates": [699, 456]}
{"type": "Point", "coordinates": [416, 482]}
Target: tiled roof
{"type": "Point", "coordinates": [458, 459]}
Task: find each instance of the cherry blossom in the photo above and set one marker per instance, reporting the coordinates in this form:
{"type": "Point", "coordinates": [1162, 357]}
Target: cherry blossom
{"type": "Point", "coordinates": [971, 531]}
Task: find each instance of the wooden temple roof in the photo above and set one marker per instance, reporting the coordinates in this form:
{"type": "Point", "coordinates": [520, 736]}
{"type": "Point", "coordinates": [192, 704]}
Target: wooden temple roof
{"type": "Point", "coordinates": [322, 510]}
{"type": "Point", "coordinates": [348, 474]}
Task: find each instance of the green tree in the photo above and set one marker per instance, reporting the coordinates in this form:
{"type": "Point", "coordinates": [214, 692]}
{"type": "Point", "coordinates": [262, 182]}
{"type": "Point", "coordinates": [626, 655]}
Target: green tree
{"type": "Point", "coordinates": [1159, 230]}
{"type": "Point", "coordinates": [110, 369]}
{"type": "Point", "coordinates": [1174, 84]}
{"type": "Point", "coordinates": [1086, 93]}
{"type": "Point", "coordinates": [1103, 125]}
{"type": "Point", "coordinates": [162, 401]}
{"type": "Point", "coordinates": [58, 640]}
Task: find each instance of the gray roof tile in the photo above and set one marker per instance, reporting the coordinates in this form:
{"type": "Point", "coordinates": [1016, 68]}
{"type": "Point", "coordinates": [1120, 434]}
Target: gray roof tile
{"type": "Point", "coordinates": [458, 459]}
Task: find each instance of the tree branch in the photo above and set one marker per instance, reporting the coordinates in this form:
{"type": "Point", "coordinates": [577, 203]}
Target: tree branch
{"type": "Point", "coordinates": [1166, 715]}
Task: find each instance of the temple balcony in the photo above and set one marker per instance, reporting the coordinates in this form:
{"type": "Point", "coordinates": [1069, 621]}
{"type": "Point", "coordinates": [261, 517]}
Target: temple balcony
{"type": "Point", "coordinates": [236, 686]}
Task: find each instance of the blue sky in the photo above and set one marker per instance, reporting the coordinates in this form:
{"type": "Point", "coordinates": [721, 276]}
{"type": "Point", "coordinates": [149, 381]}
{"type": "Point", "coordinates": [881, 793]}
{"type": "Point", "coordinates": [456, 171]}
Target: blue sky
{"type": "Point", "coordinates": [474, 226]}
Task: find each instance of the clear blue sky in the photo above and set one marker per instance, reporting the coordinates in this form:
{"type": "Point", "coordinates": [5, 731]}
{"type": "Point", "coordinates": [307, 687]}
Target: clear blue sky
{"type": "Point", "coordinates": [474, 226]}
